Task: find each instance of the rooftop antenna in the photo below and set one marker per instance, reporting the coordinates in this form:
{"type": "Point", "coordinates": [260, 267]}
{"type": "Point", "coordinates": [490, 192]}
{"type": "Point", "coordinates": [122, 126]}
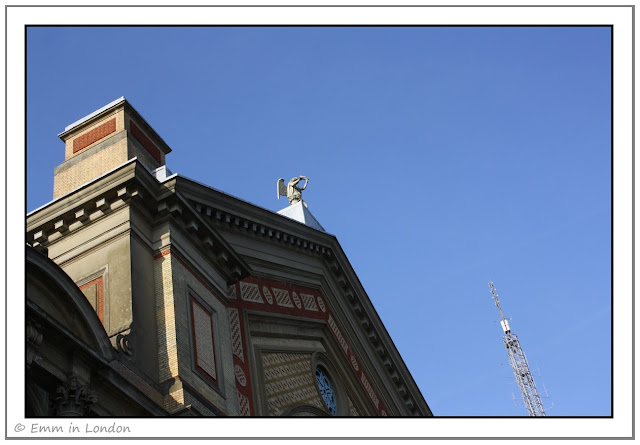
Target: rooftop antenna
{"type": "Point", "coordinates": [519, 364]}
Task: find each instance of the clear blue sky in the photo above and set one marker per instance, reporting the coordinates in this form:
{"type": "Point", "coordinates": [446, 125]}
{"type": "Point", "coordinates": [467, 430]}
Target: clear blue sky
{"type": "Point", "coordinates": [441, 158]}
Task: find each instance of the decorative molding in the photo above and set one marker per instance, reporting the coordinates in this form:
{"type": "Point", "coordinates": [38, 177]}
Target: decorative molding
{"type": "Point", "coordinates": [78, 217]}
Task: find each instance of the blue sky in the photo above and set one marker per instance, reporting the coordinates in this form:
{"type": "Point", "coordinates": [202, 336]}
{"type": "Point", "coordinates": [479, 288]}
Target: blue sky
{"type": "Point", "coordinates": [441, 158]}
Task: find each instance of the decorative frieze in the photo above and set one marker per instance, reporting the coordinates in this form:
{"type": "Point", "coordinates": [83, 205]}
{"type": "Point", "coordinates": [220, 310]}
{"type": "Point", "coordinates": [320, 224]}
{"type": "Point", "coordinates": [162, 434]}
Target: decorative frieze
{"type": "Point", "coordinates": [236, 337]}
{"type": "Point", "coordinates": [250, 292]}
{"type": "Point", "coordinates": [309, 302]}
{"type": "Point", "coordinates": [282, 297]}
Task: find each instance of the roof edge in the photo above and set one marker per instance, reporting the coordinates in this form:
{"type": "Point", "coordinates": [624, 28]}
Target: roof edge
{"type": "Point", "coordinates": [80, 121]}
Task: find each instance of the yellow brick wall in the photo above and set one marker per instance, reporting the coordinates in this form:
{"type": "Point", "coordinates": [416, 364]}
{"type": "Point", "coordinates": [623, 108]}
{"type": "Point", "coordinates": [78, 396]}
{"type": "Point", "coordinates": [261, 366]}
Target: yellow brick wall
{"type": "Point", "coordinates": [172, 282]}
{"type": "Point", "coordinates": [183, 280]}
{"type": "Point", "coordinates": [165, 316]}
{"type": "Point", "coordinates": [89, 168]}
{"type": "Point", "coordinates": [143, 155]}
{"type": "Point", "coordinates": [174, 400]}
{"type": "Point", "coordinates": [138, 149]}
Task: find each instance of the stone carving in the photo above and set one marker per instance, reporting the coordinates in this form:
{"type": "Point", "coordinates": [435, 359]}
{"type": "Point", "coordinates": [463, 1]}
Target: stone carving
{"type": "Point", "coordinates": [34, 338]}
{"type": "Point", "coordinates": [292, 191]}
{"type": "Point", "coordinates": [74, 399]}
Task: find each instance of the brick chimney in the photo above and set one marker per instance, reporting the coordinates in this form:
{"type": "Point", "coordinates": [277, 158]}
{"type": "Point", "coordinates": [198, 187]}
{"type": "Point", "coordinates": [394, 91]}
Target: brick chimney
{"type": "Point", "coordinates": [103, 140]}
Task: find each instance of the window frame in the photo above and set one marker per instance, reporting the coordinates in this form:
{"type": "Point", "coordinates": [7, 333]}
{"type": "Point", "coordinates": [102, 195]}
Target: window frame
{"type": "Point", "coordinates": [321, 360]}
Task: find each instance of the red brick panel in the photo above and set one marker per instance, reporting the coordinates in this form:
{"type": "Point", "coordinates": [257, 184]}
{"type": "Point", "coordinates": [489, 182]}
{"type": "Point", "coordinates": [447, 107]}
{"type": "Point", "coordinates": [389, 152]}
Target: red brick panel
{"type": "Point", "coordinates": [145, 142]}
{"type": "Point", "coordinates": [94, 135]}
{"type": "Point", "coordinates": [97, 282]}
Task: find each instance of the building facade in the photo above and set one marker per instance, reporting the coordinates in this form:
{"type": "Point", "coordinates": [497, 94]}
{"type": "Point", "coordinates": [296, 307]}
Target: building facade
{"type": "Point", "coordinates": [150, 294]}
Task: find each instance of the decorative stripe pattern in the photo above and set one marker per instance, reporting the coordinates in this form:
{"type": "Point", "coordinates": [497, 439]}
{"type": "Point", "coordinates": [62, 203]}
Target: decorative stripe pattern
{"type": "Point", "coordinates": [296, 300]}
{"type": "Point", "coordinates": [309, 302]}
{"type": "Point", "coordinates": [267, 294]}
{"type": "Point", "coordinates": [245, 409]}
{"type": "Point", "coordinates": [354, 363]}
{"type": "Point", "coordinates": [338, 334]}
{"type": "Point", "coordinates": [282, 297]}
{"type": "Point", "coordinates": [240, 377]}
{"type": "Point", "coordinates": [236, 338]}
{"type": "Point", "coordinates": [321, 304]}
{"type": "Point", "coordinates": [372, 394]}
{"type": "Point", "coordinates": [250, 292]}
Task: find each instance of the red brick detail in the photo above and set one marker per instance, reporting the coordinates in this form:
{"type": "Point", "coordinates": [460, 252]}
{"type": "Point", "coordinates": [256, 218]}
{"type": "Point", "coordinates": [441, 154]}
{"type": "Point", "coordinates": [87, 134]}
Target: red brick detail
{"type": "Point", "coordinates": [100, 284]}
{"type": "Point", "coordinates": [305, 311]}
{"type": "Point", "coordinates": [309, 312]}
{"type": "Point", "coordinates": [94, 135]}
{"type": "Point", "coordinates": [145, 141]}
{"type": "Point", "coordinates": [161, 254]}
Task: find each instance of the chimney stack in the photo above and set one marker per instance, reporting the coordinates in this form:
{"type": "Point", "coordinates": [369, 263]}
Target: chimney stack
{"type": "Point", "coordinates": [103, 140]}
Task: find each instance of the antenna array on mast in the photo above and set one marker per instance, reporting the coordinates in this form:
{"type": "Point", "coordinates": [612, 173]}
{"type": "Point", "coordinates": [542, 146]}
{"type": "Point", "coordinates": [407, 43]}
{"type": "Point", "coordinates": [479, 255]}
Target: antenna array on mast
{"type": "Point", "coordinates": [519, 364]}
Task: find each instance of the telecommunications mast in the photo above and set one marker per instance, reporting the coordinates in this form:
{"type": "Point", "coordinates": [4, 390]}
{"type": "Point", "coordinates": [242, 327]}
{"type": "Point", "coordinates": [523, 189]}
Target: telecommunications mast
{"type": "Point", "coordinates": [519, 364]}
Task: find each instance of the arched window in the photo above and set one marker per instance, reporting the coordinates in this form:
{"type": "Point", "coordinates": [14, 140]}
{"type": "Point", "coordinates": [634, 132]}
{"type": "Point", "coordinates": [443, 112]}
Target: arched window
{"type": "Point", "coordinates": [330, 385]}
{"type": "Point", "coordinates": [326, 390]}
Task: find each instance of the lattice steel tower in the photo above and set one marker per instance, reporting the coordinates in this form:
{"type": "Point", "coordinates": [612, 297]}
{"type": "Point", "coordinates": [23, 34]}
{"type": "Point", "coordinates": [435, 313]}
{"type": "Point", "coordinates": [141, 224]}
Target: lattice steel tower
{"type": "Point", "coordinates": [519, 364]}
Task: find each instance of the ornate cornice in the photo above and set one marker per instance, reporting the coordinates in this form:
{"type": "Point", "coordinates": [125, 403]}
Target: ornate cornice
{"type": "Point", "coordinates": [133, 186]}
